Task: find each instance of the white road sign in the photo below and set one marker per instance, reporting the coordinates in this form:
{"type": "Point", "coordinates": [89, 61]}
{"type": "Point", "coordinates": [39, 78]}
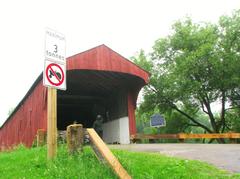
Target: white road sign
{"type": "Point", "coordinates": [54, 74]}
{"type": "Point", "coordinates": [55, 46]}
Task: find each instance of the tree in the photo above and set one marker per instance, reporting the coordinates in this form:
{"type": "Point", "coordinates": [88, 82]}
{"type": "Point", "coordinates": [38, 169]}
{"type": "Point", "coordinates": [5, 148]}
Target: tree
{"type": "Point", "coordinates": [175, 122]}
{"type": "Point", "coordinates": [142, 59]}
{"type": "Point", "coordinates": [194, 67]}
{"type": "Point", "coordinates": [10, 111]}
{"type": "Point", "coordinates": [230, 51]}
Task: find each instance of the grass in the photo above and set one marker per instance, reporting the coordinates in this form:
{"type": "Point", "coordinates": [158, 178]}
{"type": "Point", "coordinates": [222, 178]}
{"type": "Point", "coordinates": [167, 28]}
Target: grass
{"type": "Point", "coordinates": [32, 163]}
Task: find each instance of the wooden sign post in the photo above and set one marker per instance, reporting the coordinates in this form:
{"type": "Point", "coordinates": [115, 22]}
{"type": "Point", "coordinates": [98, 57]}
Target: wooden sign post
{"type": "Point", "coordinates": [52, 123]}
{"type": "Point", "coordinates": [54, 77]}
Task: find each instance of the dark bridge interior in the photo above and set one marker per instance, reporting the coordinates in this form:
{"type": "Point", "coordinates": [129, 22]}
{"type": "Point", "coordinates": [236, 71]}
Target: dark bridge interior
{"type": "Point", "coordinates": [94, 92]}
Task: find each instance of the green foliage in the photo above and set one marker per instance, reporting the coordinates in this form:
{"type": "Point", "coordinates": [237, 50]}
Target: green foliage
{"type": "Point", "coordinates": [32, 163]}
{"type": "Point", "coordinates": [142, 60]}
{"type": "Point", "coordinates": [234, 120]}
{"type": "Point", "coordinates": [10, 111]}
{"type": "Point", "coordinates": [194, 67]}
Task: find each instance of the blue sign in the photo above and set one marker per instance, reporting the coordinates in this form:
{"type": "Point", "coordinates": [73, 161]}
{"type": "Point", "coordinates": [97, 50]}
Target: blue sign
{"type": "Point", "coordinates": [157, 120]}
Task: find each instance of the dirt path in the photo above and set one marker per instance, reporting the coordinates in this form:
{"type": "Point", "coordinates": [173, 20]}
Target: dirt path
{"type": "Point", "coordinates": [224, 156]}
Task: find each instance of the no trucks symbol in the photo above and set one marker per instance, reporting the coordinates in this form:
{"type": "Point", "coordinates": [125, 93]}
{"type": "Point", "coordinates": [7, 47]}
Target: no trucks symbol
{"type": "Point", "coordinates": [54, 75]}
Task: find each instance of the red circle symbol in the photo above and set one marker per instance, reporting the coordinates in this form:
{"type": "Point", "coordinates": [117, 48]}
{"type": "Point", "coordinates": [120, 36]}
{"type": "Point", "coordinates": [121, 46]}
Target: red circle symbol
{"type": "Point", "coordinates": [53, 74]}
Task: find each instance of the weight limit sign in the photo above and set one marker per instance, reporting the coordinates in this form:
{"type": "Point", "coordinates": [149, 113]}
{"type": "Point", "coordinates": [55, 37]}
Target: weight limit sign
{"type": "Point", "coordinates": [54, 75]}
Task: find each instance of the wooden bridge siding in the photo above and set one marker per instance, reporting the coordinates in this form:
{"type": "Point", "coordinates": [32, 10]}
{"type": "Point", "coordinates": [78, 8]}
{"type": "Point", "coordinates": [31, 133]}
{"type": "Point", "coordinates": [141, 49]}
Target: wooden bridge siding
{"type": "Point", "coordinates": [131, 114]}
{"type": "Point", "coordinates": [30, 117]}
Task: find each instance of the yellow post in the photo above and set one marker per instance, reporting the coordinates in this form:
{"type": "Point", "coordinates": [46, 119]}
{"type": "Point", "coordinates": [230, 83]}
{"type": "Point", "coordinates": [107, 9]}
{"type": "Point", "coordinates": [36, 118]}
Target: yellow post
{"type": "Point", "coordinates": [52, 123]}
{"type": "Point", "coordinates": [41, 137]}
{"type": "Point", "coordinates": [75, 138]}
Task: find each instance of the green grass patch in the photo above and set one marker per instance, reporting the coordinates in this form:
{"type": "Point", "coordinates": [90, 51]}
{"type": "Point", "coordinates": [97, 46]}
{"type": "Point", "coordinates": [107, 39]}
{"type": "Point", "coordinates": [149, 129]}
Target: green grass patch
{"type": "Point", "coordinates": [32, 163]}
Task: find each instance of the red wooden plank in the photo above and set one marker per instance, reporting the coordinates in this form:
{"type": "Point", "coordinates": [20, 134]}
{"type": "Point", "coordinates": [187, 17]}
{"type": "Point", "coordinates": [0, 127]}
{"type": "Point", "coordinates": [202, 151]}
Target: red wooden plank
{"type": "Point", "coordinates": [23, 124]}
{"type": "Point", "coordinates": [131, 114]}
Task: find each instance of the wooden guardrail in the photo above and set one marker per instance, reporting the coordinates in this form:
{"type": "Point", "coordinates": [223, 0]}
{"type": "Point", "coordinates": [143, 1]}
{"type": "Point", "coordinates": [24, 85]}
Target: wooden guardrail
{"type": "Point", "coordinates": [182, 136]}
{"type": "Point", "coordinates": [209, 136]}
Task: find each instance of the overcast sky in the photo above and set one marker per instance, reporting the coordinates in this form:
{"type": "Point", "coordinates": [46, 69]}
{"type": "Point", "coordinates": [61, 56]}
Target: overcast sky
{"type": "Point", "coordinates": [125, 26]}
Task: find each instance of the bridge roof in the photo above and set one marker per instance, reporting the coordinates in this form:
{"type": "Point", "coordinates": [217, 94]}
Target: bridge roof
{"type": "Point", "coordinates": [102, 58]}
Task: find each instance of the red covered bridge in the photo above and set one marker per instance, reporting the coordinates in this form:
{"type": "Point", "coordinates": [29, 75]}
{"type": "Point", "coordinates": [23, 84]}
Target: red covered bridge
{"type": "Point", "coordinates": [99, 81]}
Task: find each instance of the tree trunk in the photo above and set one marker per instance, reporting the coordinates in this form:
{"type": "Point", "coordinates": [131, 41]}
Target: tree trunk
{"type": "Point", "coordinates": [193, 120]}
{"type": "Point", "coordinates": [223, 123]}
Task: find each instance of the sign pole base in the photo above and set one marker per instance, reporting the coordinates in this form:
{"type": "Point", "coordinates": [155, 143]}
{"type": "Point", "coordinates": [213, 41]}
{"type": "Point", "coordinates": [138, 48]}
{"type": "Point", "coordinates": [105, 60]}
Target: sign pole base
{"type": "Point", "coordinates": [52, 123]}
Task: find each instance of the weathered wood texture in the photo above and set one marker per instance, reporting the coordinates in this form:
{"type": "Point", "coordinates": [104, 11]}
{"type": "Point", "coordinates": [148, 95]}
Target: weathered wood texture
{"type": "Point", "coordinates": [105, 59]}
{"type": "Point", "coordinates": [75, 136]}
{"type": "Point", "coordinates": [105, 152]}
{"type": "Point", "coordinates": [186, 136]}
{"type": "Point", "coordinates": [52, 123]}
{"type": "Point", "coordinates": [209, 136]}
{"type": "Point", "coordinates": [156, 136]}
{"type": "Point", "coordinates": [41, 137]}
{"type": "Point", "coordinates": [28, 117]}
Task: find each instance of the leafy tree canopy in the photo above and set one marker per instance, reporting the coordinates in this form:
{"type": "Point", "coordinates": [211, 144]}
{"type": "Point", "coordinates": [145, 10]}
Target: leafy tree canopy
{"type": "Point", "coordinates": [194, 67]}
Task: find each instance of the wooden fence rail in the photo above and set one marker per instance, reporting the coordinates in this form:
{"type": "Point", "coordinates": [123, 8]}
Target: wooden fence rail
{"type": "Point", "coordinates": [183, 136]}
